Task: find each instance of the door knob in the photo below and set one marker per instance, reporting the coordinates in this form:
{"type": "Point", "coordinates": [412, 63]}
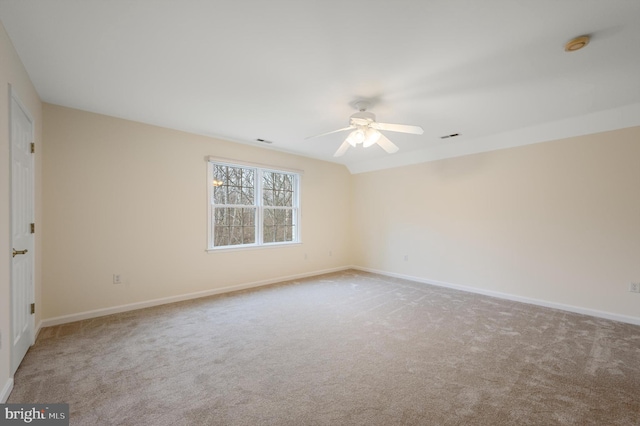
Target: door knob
{"type": "Point", "coordinates": [16, 252]}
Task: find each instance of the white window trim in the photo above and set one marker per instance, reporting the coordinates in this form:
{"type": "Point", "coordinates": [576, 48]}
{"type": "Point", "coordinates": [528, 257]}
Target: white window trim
{"type": "Point", "coordinates": [271, 168]}
{"type": "Point", "coordinates": [258, 168]}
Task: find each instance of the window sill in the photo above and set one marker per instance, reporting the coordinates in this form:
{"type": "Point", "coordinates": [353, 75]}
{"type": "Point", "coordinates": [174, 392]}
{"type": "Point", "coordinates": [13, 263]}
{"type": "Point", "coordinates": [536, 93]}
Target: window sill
{"type": "Point", "coordinates": [252, 247]}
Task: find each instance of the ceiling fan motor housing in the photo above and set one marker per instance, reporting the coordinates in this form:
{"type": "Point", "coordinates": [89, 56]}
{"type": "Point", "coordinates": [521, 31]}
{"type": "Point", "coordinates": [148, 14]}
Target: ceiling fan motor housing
{"type": "Point", "coordinates": [362, 118]}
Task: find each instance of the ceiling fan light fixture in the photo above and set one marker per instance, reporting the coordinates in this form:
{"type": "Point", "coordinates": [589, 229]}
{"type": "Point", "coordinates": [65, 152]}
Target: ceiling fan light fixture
{"type": "Point", "coordinates": [351, 139]}
{"type": "Point", "coordinates": [372, 136]}
{"type": "Point", "coordinates": [356, 137]}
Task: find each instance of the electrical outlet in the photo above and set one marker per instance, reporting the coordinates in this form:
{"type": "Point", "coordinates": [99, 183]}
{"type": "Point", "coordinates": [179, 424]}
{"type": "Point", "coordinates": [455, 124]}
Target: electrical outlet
{"type": "Point", "coordinates": [330, 254]}
{"type": "Point", "coordinates": [305, 256]}
{"type": "Point", "coordinates": [634, 287]}
{"type": "Point", "coordinates": [117, 279]}
{"type": "Point", "coordinates": [406, 257]}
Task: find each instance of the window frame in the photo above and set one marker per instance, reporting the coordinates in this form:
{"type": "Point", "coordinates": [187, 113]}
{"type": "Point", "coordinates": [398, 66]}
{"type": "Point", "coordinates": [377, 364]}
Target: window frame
{"type": "Point", "coordinates": [258, 204]}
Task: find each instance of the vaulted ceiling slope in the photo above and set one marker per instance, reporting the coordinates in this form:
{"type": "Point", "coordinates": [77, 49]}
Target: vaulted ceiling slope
{"type": "Point", "coordinates": [494, 71]}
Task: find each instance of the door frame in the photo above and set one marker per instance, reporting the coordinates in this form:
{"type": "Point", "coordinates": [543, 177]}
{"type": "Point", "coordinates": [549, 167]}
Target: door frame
{"type": "Point", "coordinates": [13, 97]}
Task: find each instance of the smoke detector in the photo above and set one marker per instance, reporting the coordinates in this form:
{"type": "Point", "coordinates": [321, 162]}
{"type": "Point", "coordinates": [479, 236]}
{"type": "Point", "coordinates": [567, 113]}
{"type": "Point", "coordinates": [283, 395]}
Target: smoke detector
{"type": "Point", "coordinates": [576, 44]}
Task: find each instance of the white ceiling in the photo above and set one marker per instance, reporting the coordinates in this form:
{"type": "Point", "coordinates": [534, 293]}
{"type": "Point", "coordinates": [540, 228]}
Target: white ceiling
{"type": "Point", "coordinates": [494, 71]}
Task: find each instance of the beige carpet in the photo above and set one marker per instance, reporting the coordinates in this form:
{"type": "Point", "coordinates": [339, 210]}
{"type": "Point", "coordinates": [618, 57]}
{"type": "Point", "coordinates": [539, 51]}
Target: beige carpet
{"type": "Point", "coordinates": [349, 348]}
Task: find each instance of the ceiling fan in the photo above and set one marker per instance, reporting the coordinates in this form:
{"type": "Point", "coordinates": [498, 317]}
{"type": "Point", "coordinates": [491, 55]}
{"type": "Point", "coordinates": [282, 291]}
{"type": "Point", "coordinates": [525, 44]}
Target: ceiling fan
{"type": "Point", "coordinates": [366, 131]}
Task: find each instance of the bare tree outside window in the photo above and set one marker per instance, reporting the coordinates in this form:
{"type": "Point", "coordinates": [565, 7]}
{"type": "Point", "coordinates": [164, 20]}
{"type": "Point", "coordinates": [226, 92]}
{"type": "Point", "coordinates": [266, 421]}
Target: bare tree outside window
{"type": "Point", "coordinates": [235, 222]}
{"type": "Point", "coordinates": [278, 196]}
{"type": "Point", "coordinates": [252, 206]}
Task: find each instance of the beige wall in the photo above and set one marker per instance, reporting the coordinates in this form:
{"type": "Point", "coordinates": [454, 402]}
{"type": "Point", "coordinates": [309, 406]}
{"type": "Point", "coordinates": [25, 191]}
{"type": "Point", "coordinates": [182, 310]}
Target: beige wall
{"type": "Point", "coordinates": [13, 73]}
{"type": "Point", "coordinates": [557, 222]}
{"type": "Point", "coordinates": [129, 198]}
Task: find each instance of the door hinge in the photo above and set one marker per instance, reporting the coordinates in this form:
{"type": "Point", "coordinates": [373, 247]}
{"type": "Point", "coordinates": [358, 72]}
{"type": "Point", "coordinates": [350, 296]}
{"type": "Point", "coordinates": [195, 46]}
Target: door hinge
{"type": "Point", "coordinates": [33, 147]}
{"type": "Point", "coordinates": [33, 228]}
{"type": "Point", "coordinates": [33, 308]}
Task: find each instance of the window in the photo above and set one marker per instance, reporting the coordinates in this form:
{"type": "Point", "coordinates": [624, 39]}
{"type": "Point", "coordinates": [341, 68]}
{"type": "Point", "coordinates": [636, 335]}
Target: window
{"type": "Point", "coordinates": [252, 206]}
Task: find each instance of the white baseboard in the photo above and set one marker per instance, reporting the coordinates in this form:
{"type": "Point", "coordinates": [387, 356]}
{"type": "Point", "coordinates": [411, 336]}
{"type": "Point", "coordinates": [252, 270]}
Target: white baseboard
{"type": "Point", "coordinates": [163, 301]}
{"type": "Point", "coordinates": [6, 391]}
{"type": "Point", "coordinates": [507, 296]}
{"type": "Point", "coordinates": [37, 331]}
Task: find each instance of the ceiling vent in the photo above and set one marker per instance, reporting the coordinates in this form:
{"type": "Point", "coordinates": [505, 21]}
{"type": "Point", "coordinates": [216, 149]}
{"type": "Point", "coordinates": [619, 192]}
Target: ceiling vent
{"type": "Point", "coordinates": [452, 135]}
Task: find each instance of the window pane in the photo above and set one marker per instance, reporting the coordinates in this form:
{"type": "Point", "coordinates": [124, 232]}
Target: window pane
{"type": "Point", "coordinates": [221, 236]}
{"type": "Point", "coordinates": [233, 185]}
{"type": "Point", "coordinates": [219, 194]}
{"type": "Point", "coordinates": [278, 189]}
{"type": "Point", "coordinates": [267, 180]}
{"type": "Point", "coordinates": [268, 234]}
{"type": "Point", "coordinates": [289, 233]}
{"type": "Point", "coordinates": [267, 197]}
{"type": "Point", "coordinates": [288, 182]}
{"type": "Point", "coordinates": [248, 178]}
{"type": "Point", "coordinates": [249, 235]}
{"type": "Point", "coordinates": [220, 217]}
{"type": "Point", "coordinates": [233, 195]}
{"type": "Point", "coordinates": [234, 176]}
{"type": "Point", "coordinates": [278, 225]}
{"type": "Point", "coordinates": [233, 226]}
{"type": "Point", "coordinates": [248, 217]}
{"type": "Point", "coordinates": [247, 195]}
{"type": "Point", "coordinates": [219, 178]}
{"type": "Point", "coordinates": [235, 235]}
{"type": "Point", "coordinates": [269, 217]}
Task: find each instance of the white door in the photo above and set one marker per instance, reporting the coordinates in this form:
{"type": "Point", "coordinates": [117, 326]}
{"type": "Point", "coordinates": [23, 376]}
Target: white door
{"type": "Point", "coordinates": [22, 214]}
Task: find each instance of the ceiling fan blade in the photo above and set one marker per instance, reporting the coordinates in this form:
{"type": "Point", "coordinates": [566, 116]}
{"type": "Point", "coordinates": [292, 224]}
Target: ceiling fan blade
{"type": "Point", "coordinates": [401, 128]}
{"type": "Point", "coordinates": [387, 145]}
{"type": "Point", "coordinates": [343, 148]}
{"type": "Point", "coordinates": [328, 133]}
